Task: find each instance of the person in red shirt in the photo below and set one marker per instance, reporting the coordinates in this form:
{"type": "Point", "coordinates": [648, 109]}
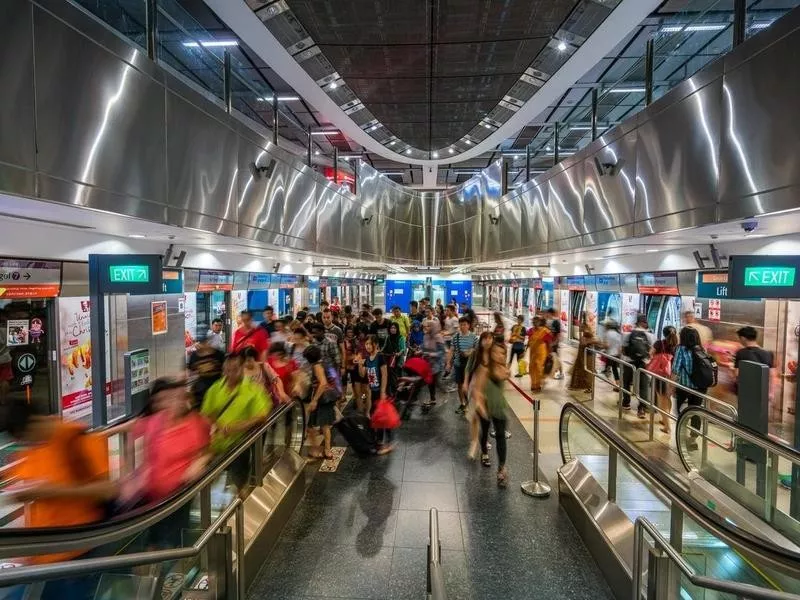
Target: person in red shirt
{"type": "Point", "coordinates": [249, 335]}
{"type": "Point", "coordinates": [285, 368]}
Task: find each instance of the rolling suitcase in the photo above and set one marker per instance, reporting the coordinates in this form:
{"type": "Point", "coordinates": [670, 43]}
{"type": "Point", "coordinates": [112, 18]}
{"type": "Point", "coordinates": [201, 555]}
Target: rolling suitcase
{"type": "Point", "coordinates": [358, 434]}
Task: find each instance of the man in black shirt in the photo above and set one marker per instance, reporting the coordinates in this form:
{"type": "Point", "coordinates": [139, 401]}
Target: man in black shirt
{"type": "Point", "coordinates": [380, 326]}
{"type": "Point", "coordinates": [269, 320]}
{"type": "Point", "coordinates": [206, 363]}
{"type": "Point", "coordinates": [751, 351]}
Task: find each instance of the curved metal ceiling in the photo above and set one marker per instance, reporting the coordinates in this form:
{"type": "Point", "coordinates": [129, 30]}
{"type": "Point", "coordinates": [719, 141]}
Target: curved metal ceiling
{"type": "Point", "coordinates": [486, 134]}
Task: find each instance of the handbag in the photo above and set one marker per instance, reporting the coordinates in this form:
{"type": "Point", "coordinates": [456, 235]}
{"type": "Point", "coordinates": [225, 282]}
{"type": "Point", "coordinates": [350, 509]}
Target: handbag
{"type": "Point", "coordinates": [548, 364]}
{"type": "Point", "coordinates": [385, 415]}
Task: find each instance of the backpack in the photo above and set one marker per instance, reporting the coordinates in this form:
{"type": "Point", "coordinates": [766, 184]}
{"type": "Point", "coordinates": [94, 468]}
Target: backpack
{"type": "Point", "coordinates": [704, 369]}
{"type": "Point", "coordinates": [638, 348]}
{"type": "Point", "coordinates": [661, 364]}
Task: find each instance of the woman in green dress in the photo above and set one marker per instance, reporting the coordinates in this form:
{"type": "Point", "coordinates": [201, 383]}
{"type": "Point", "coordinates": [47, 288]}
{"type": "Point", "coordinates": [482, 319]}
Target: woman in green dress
{"type": "Point", "coordinates": [492, 408]}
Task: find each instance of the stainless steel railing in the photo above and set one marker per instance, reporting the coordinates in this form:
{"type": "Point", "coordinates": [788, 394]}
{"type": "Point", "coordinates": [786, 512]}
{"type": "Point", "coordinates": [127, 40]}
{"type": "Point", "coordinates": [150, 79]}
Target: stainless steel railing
{"type": "Point", "coordinates": [714, 404]}
{"type": "Point", "coordinates": [436, 587]}
{"type": "Point", "coordinates": [27, 542]}
{"type": "Point", "coordinates": [660, 584]}
{"type": "Point", "coordinates": [737, 532]}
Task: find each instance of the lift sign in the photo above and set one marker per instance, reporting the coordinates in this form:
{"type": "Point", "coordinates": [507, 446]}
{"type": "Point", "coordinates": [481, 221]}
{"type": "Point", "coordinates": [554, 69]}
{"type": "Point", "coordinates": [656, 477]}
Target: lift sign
{"type": "Point", "coordinates": [769, 276]}
{"type": "Point", "coordinates": [129, 273]}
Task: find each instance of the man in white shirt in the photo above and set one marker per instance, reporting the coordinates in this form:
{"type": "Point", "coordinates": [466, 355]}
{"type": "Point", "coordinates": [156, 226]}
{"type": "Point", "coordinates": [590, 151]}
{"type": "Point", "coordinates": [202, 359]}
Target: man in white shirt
{"type": "Point", "coordinates": [706, 337]}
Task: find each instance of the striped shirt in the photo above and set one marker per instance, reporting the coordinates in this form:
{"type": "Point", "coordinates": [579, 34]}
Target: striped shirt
{"type": "Point", "coordinates": [463, 343]}
{"type": "Point", "coordinates": [682, 366]}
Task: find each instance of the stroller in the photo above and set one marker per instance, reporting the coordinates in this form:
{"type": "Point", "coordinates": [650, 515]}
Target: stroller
{"type": "Point", "coordinates": [416, 374]}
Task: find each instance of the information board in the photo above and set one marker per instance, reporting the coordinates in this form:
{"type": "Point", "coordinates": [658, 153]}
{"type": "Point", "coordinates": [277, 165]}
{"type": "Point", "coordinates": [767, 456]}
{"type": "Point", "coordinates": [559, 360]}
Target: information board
{"type": "Point", "coordinates": [658, 284]}
{"type": "Point", "coordinates": [29, 279]}
{"type": "Point", "coordinates": [712, 284]}
{"type": "Point", "coordinates": [137, 380]}
{"type": "Point", "coordinates": [764, 276]}
{"type": "Point", "coordinates": [214, 281]}
{"type": "Point", "coordinates": [607, 283]}
{"type": "Point", "coordinates": [135, 274]}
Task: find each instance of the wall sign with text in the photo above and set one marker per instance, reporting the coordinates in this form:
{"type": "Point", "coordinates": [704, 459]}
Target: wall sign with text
{"type": "Point", "coordinates": [764, 276]}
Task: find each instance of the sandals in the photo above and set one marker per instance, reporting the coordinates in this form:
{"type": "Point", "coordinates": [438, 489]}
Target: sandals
{"type": "Point", "coordinates": [485, 460]}
{"type": "Point", "coordinates": [502, 478]}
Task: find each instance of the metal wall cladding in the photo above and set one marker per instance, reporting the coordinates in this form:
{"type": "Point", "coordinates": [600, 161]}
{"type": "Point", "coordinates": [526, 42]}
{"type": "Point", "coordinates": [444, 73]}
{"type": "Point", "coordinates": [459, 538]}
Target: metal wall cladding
{"type": "Point", "coordinates": [261, 200]}
{"type": "Point", "coordinates": [510, 225]}
{"type": "Point", "coordinates": [167, 351]}
{"type": "Point", "coordinates": [677, 160]}
{"type": "Point", "coordinates": [17, 142]}
{"type": "Point", "coordinates": [610, 191]}
{"type": "Point", "coordinates": [100, 121]}
{"type": "Point", "coordinates": [565, 206]}
{"type": "Point", "coordinates": [759, 162]}
{"type": "Point", "coordinates": [533, 218]}
{"type": "Point", "coordinates": [203, 161]}
{"type": "Point", "coordinates": [329, 221]}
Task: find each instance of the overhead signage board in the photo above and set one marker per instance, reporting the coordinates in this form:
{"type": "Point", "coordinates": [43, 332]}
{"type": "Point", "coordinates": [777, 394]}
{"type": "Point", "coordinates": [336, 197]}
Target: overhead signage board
{"type": "Point", "coordinates": [288, 282]}
{"type": "Point", "coordinates": [215, 281]}
{"type": "Point", "coordinates": [259, 281]}
{"type": "Point", "coordinates": [658, 284]}
{"type": "Point", "coordinates": [712, 284]}
{"type": "Point", "coordinates": [629, 282]}
{"type": "Point", "coordinates": [172, 280]}
{"type": "Point", "coordinates": [576, 282]}
{"type": "Point", "coordinates": [764, 276]}
{"type": "Point", "coordinates": [126, 273]}
{"type": "Point", "coordinates": [29, 279]}
{"type": "Point", "coordinates": [607, 283]}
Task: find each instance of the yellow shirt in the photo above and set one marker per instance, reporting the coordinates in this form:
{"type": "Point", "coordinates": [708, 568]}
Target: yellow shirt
{"type": "Point", "coordinates": [250, 401]}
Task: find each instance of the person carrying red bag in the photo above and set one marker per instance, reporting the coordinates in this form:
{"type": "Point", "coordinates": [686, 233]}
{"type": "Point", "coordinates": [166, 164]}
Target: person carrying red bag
{"type": "Point", "coordinates": [373, 369]}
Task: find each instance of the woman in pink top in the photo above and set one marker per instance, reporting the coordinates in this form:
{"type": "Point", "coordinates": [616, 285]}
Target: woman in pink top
{"type": "Point", "coordinates": [174, 441]}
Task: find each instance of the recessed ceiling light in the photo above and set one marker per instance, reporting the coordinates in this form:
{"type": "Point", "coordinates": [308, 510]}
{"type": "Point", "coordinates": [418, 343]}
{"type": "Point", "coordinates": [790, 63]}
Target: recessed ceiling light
{"type": "Point", "coordinates": [468, 142]}
{"type": "Point", "coordinates": [137, 235]}
{"type": "Point", "coordinates": [316, 152]}
{"type": "Point", "coordinates": [408, 150]}
{"type": "Point", "coordinates": [392, 143]}
{"type": "Point", "coordinates": [435, 155]}
{"type": "Point", "coordinates": [333, 85]}
{"type": "Point", "coordinates": [487, 126]}
{"type": "Point", "coordinates": [562, 46]}
{"type": "Point", "coordinates": [451, 151]}
{"type": "Point", "coordinates": [652, 250]}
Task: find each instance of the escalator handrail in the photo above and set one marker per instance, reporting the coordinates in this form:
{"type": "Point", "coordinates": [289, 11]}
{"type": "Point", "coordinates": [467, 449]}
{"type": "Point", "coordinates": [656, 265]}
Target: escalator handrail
{"type": "Point", "coordinates": [736, 429]}
{"type": "Point", "coordinates": [28, 541]}
{"type": "Point", "coordinates": [667, 486]}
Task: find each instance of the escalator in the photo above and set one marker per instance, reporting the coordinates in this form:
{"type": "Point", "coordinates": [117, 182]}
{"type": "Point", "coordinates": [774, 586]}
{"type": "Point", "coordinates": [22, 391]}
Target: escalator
{"type": "Point", "coordinates": [618, 496]}
{"type": "Point", "coordinates": [229, 534]}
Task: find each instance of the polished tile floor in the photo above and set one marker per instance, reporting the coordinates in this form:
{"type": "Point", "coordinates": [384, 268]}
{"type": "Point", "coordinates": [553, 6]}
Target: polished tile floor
{"type": "Point", "coordinates": [362, 531]}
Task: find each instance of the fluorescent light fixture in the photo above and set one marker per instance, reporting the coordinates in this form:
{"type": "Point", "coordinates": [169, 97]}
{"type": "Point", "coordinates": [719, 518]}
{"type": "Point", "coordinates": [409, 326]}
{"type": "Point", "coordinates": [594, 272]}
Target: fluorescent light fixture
{"type": "Point", "coordinates": [387, 173]}
{"type": "Point", "coordinates": [451, 151]}
{"type": "Point", "coordinates": [627, 90]}
{"type": "Point", "coordinates": [694, 28]}
{"type": "Point", "coordinates": [137, 235]}
{"type": "Point", "coordinates": [325, 132]}
{"type": "Point", "coordinates": [212, 44]}
{"type": "Point", "coordinates": [653, 250]}
{"type": "Point", "coordinates": [435, 155]}
{"type": "Point", "coordinates": [760, 25]}
{"type": "Point", "coordinates": [582, 127]}
{"type": "Point", "coordinates": [408, 150]}
{"type": "Point", "coordinates": [280, 99]}
{"type": "Point", "coordinates": [562, 153]}
{"type": "Point", "coordinates": [561, 46]}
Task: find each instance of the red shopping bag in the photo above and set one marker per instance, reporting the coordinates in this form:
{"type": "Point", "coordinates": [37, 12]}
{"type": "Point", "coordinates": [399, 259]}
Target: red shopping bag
{"type": "Point", "coordinates": [385, 415]}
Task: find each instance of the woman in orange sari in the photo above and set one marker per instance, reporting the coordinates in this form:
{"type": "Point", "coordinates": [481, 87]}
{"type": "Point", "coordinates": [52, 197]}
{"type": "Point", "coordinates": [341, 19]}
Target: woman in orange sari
{"type": "Point", "coordinates": [538, 348]}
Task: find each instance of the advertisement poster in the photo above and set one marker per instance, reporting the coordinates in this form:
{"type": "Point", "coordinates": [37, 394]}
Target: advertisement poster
{"type": "Point", "coordinates": [591, 309]}
{"type": "Point", "coordinates": [190, 318]}
{"type": "Point", "coordinates": [630, 309]}
{"type": "Point", "coordinates": [18, 332]}
{"type": "Point", "coordinates": [75, 358]}
{"type": "Point", "coordinates": [788, 369]}
{"type": "Point", "coordinates": [564, 312]}
{"type": "Point", "coordinates": [239, 302]}
{"type": "Point", "coordinates": [158, 314]}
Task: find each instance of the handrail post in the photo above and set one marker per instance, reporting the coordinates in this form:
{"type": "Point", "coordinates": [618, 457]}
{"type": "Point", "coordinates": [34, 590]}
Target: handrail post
{"type": "Point", "coordinates": [241, 589]}
{"type": "Point", "coordinates": [592, 372]}
{"type": "Point", "coordinates": [534, 487]}
{"type": "Point", "coordinates": [651, 393]}
{"type": "Point", "coordinates": [613, 459]}
{"type": "Point", "coordinates": [636, 565]}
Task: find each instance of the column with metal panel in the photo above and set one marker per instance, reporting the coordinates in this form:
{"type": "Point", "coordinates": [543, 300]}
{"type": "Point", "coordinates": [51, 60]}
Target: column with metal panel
{"type": "Point", "coordinates": [275, 119]}
{"type": "Point", "coordinates": [739, 21]}
{"type": "Point", "coordinates": [151, 28]}
{"type": "Point", "coordinates": [227, 82]}
{"type": "Point", "coordinates": [648, 72]}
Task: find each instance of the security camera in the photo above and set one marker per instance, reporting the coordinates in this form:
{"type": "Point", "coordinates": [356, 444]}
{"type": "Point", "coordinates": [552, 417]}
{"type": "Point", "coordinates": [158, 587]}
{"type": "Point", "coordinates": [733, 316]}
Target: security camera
{"type": "Point", "coordinates": [749, 226]}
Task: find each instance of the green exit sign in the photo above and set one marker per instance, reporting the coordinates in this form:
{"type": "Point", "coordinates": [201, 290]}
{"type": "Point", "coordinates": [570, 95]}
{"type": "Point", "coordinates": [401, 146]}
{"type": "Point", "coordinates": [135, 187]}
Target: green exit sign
{"type": "Point", "coordinates": [769, 276]}
{"type": "Point", "coordinates": [129, 273]}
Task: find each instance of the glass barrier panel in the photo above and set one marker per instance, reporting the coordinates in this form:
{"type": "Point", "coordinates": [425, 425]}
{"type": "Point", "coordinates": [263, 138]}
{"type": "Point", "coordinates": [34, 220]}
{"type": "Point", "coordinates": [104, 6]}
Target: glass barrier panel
{"type": "Point", "coordinates": [127, 17]}
{"type": "Point", "coordinates": [586, 446]}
